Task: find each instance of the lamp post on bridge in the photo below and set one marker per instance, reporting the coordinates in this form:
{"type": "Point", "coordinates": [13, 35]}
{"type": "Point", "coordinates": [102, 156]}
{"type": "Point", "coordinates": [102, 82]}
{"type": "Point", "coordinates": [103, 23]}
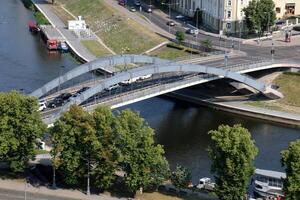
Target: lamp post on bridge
{"type": "Point", "coordinates": [60, 74]}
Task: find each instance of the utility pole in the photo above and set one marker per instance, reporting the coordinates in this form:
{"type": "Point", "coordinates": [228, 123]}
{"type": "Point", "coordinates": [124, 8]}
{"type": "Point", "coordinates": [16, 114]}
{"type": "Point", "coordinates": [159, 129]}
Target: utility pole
{"type": "Point", "coordinates": [59, 81]}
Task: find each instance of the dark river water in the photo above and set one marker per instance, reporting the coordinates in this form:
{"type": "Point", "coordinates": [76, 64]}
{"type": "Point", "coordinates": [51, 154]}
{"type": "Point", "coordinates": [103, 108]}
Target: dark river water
{"type": "Point", "coordinates": [181, 127]}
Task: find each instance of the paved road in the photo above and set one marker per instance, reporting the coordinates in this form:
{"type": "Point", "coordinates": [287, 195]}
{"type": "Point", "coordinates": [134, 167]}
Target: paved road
{"type": "Point", "coordinates": [6, 194]}
{"type": "Point", "coordinates": [282, 53]}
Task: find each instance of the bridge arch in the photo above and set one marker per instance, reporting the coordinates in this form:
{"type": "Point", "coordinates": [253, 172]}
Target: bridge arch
{"type": "Point", "coordinates": [106, 64]}
{"type": "Point", "coordinates": [162, 68]}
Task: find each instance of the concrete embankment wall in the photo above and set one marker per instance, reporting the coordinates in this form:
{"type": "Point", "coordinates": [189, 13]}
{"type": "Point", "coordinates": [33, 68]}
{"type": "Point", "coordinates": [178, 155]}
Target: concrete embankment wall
{"type": "Point", "coordinates": [237, 110]}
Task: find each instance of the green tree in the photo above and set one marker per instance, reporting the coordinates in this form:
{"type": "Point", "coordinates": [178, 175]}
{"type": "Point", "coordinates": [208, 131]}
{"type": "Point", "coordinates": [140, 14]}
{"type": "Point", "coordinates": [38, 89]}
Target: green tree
{"type": "Point", "coordinates": [142, 161]}
{"type": "Point", "coordinates": [260, 15]}
{"type": "Point", "coordinates": [251, 16]}
{"type": "Point", "coordinates": [232, 153]}
{"type": "Point", "coordinates": [207, 44]}
{"type": "Point", "coordinates": [107, 155]}
{"type": "Point", "coordinates": [291, 161]}
{"type": "Point", "coordinates": [180, 36]}
{"type": "Point", "coordinates": [181, 177]}
{"type": "Point", "coordinates": [198, 17]}
{"type": "Point", "coordinates": [75, 144]}
{"type": "Point", "coordinates": [20, 127]}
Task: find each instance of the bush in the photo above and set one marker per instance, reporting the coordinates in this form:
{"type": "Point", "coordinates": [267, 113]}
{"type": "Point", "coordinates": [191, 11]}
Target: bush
{"type": "Point", "coordinates": [27, 3]}
{"type": "Point", "coordinates": [175, 46]}
{"type": "Point", "coordinates": [192, 51]}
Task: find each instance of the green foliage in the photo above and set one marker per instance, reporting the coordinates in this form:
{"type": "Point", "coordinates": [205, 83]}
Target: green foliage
{"type": "Point", "coordinates": [291, 161]}
{"type": "Point", "coordinates": [108, 154]}
{"type": "Point", "coordinates": [232, 153]}
{"type": "Point", "coordinates": [108, 144]}
{"type": "Point", "coordinates": [28, 4]}
{"type": "Point", "coordinates": [75, 144]}
{"type": "Point", "coordinates": [40, 18]}
{"type": "Point", "coordinates": [181, 177]}
{"type": "Point", "coordinates": [175, 46]}
{"type": "Point", "coordinates": [20, 127]}
{"type": "Point", "coordinates": [260, 15]}
{"type": "Point", "coordinates": [180, 36]}
{"type": "Point", "coordinates": [198, 16]}
{"type": "Point", "coordinates": [207, 44]}
{"type": "Point", "coordinates": [141, 160]}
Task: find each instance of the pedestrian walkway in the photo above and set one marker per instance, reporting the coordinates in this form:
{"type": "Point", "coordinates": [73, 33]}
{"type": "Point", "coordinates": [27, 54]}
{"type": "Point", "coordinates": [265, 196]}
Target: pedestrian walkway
{"type": "Point", "coordinates": [239, 107]}
{"type": "Point", "coordinates": [21, 185]}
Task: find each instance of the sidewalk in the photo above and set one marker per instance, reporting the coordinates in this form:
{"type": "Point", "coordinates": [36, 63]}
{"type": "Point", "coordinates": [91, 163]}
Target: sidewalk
{"type": "Point", "coordinates": [19, 185]}
{"type": "Point", "coordinates": [71, 39]}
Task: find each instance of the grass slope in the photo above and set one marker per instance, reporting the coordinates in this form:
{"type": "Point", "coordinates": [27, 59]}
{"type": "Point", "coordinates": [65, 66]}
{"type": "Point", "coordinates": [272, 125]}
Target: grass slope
{"type": "Point", "coordinates": [121, 34]}
{"type": "Point", "coordinates": [289, 84]}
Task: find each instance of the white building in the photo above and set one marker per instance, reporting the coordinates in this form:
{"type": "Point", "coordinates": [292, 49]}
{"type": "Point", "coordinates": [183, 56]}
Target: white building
{"type": "Point", "coordinates": [77, 24]}
{"type": "Point", "coordinates": [227, 15]}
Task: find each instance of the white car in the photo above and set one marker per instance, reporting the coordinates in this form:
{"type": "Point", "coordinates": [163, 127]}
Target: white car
{"type": "Point", "coordinates": [193, 31]}
{"type": "Point", "coordinates": [42, 105]}
{"type": "Point", "coordinates": [179, 17]}
{"type": "Point", "coordinates": [129, 81]}
{"type": "Point", "coordinates": [146, 76]}
{"type": "Point", "coordinates": [112, 87]}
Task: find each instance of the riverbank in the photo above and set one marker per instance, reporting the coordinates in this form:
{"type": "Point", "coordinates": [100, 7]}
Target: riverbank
{"type": "Point", "coordinates": [239, 108]}
{"type": "Point", "coordinates": [288, 85]}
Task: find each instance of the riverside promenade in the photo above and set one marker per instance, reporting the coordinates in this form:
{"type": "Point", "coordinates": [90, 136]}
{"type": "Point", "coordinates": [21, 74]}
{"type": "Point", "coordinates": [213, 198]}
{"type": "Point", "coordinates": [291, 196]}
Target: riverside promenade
{"type": "Point", "coordinates": [69, 36]}
{"type": "Point", "coordinates": [239, 107]}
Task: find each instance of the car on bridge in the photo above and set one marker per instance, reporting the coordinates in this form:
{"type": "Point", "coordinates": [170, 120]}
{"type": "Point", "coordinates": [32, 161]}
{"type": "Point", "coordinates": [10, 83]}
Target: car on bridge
{"type": "Point", "coordinates": [112, 87]}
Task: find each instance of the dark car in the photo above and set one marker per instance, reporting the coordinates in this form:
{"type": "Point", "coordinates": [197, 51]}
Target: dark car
{"type": "Point", "coordinates": [82, 90]}
{"type": "Point", "coordinates": [55, 103]}
{"type": "Point", "coordinates": [63, 96]}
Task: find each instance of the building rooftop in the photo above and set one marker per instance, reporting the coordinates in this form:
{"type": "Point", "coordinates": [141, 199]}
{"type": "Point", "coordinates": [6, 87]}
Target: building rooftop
{"type": "Point", "coordinates": [269, 173]}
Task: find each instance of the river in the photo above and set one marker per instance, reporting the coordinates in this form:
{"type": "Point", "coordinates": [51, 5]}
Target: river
{"type": "Point", "coordinates": [181, 127]}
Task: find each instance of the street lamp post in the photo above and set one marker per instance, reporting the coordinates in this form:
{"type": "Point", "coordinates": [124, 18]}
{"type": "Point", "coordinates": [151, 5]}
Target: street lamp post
{"type": "Point", "coordinates": [60, 74]}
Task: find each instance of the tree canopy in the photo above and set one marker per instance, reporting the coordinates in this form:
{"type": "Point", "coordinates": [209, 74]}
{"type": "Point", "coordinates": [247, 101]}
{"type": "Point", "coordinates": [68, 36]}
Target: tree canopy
{"type": "Point", "coordinates": [20, 126]}
{"type": "Point", "coordinates": [107, 143]}
{"type": "Point", "coordinates": [291, 161]}
{"type": "Point", "coordinates": [260, 15]}
{"type": "Point", "coordinates": [141, 159]}
{"type": "Point", "coordinates": [232, 153]}
{"type": "Point", "coordinates": [181, 177]}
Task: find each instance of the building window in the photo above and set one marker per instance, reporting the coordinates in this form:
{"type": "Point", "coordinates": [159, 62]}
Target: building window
{"type": "Point", "coordinates": [290, 8]}
{"type": "Point", "coordinates": [242, 2]}
{"type": "Point", "coordinates": [229, 2]}
{"type": "Point", "coordinates": [278, 10]}
{"type": "Point", "coordinates": [229, 14]}
{"type": "Point", "coordinates": [228, 26]}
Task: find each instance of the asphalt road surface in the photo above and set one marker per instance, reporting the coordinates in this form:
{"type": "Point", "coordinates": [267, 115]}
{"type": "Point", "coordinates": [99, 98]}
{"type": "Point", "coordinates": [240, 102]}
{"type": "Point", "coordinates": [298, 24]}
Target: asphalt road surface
{"type": "Point", "coordinates": [6, 194]}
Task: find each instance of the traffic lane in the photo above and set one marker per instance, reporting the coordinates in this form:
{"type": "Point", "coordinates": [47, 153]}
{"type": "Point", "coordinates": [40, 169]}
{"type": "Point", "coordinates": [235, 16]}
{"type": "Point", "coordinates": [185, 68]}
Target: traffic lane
{"type": "Point", "coordinates": [6, 194]}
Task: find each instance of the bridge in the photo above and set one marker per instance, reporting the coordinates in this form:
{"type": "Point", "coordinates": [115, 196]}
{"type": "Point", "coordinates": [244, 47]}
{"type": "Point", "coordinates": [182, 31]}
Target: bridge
{"type": "Point", "coordinates": [167, 76]}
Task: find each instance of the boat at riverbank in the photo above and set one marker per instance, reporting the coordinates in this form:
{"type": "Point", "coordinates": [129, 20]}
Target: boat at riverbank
{"type": "Point", "coordinates": [268, 183]}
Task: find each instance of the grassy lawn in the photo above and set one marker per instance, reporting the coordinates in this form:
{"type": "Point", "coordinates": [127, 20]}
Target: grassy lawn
{"type": "Point", "coordinates": [289, 86]}
{"type": "Point", "coordinates": [118, 32]}
{"type": "Point", "coordinates": [160, 196]}
{"type": "Point", "coordinates": [172, 53]}
{"type": "Point", "coordinates": [95, 48]}
{"type": "Point", "coordinates": [125, 67]}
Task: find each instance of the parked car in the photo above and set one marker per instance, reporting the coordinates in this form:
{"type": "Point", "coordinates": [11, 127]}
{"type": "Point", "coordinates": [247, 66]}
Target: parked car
{"type": "Point", "coordinates": [137, 3]}
{"type": "Point", "coordinates": [55, 103]}
{"type": "Point", "coordinates": [206, 183]}
{"type": "Point", "coordinates": [170, 23]}
{"type": "Point", "coordinates": [132, 9]}
{"type": "Point", "coordinates": [42, 105]}
{"type": "Point", "coordinates": [148, 8]}
{"type": "Point", "coordinates": [122, 2]}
